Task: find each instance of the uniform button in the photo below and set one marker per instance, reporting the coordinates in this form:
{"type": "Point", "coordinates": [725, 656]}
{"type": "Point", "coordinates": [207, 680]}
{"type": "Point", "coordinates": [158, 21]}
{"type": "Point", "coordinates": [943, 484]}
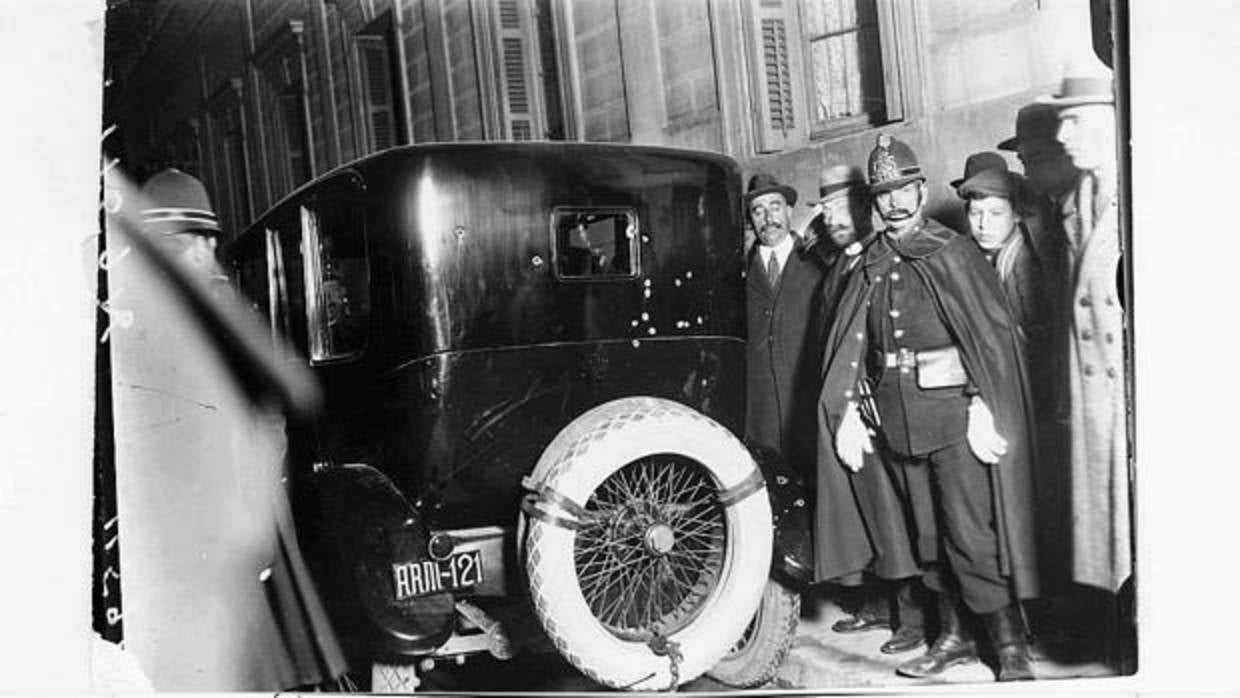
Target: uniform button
{"type": "Point", "coordinates": [898, 334]}
{"type": "Point", "coordinates": [1110, 338]}
{"type": "Point", "coordinates": [894, 313]}
{"type": "Point", "coordinates": [1085, 301]}
{"type": "Point", "coordinates": [895, 276]}
{"type": "Point", "coordinates": [860, 336]}
{"type": "Point", "coordinates": [1089, 370]}
{"type": "Point", "coordinates": [1110, 300]}
{"type": "Point", "coordinates": [1087, 335]}
{"type": "Point", "coordinates": [852, 364]}
{"type": "Point", "coordinates": [767, 313]}
{"type": "Point", "coordinates": [1111, 372]}
{"type": "Point", "coordinates": [848, 394]}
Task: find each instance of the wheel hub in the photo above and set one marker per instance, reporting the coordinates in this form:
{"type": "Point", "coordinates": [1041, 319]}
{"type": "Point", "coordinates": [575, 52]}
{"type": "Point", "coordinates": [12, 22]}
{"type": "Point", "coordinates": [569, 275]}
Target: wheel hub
{"type": "Point", "coordinates": [660, 538]}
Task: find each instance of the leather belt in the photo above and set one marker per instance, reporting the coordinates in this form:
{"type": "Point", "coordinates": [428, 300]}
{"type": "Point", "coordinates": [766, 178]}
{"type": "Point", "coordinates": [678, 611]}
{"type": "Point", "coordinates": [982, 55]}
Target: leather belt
{"type": "Point", "coordinates": [936, 368]}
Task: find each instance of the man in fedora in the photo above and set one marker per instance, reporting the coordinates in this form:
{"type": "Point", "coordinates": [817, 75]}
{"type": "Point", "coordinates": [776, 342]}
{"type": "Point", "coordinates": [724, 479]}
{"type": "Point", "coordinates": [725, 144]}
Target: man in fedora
{"type": "Point", "coordinates": [784, 348]}
{"type": "Point", "coordinates": [1101, 540]}
{"type": "Point", "coordinates": [924, 363]}
{"type": "Point", "coordinates": [861, 541]}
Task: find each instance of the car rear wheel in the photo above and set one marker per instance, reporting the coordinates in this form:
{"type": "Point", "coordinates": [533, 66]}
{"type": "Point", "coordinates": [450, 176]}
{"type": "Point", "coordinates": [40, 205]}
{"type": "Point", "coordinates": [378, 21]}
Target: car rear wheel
{"type": "Point", "coordinates": [649, 543]}
{"type": "Point", "coordinates": [757, 655]}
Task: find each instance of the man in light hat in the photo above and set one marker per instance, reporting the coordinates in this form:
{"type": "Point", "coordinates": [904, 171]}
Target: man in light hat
{"type": "Point", "coordinates": [1101, 540]}
{"type": "Point", "coordinates": [846, 553]}
{"type": "Point", "coordinates": [784, 350]}
{"type": "Point", "coordinates": [924, 357]}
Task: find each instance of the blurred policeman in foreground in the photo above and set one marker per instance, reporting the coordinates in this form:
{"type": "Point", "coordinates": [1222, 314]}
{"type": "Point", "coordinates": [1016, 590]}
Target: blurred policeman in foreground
{"type": "Point", "coordinates": [213, 593]}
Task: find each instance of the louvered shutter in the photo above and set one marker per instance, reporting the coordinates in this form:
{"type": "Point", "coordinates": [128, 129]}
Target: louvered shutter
{"type": "Point", "coordinates": [777, 76]}
{"type": "Point", "coordinates": [375, 66]}
{"type": "Point", "coordinates": [518, 111]}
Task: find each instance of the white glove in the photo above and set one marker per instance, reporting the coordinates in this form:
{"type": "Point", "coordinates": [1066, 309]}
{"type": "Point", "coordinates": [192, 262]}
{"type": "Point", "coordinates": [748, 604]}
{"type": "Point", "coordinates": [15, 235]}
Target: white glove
{"type": "Point", "coordinates": [984, 441]}
{"type": "Point", "coordinates": [852, 439]}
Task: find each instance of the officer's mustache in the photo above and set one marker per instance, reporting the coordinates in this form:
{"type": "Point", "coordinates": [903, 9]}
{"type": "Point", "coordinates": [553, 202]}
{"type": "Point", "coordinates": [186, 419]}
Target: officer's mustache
{"type": "Point", "coordinates": [772, 225]}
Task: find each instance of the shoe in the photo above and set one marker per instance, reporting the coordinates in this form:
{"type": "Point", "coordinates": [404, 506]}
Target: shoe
{"type": "Point", "coordinates": [911, 633]}
{"type": "Point", "coordinates": [872, 614]}
{"type": "Point", "coordinates": [952, 647]}
{"type": "Point", "coordinates": [1007, 635]}
{"type": "Point", "coordinates": [859, 623]}
{"type": "Point", "coordinates": [906, 638]}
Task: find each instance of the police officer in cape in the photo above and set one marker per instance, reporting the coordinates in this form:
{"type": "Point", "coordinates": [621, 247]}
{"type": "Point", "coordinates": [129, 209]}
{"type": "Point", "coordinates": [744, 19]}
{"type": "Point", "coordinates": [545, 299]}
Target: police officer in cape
{"type": "Point", "coordinates": [861, 540]}
{"type": "Point", "coordinates": [923, 362]}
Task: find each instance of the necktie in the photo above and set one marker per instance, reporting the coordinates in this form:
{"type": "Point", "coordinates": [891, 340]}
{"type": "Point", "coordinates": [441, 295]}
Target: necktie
{"type": "Point", "coordinates": [772, 270]}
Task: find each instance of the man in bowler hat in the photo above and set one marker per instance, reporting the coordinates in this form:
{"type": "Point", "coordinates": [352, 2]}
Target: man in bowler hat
{"type": "Point", "coordinates": [923, 357]}
{"type": "Point", "coordinates": [784, 348]}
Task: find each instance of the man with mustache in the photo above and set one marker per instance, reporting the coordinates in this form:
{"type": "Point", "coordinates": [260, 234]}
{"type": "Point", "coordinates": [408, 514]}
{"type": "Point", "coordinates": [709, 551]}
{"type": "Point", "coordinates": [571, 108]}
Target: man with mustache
{"type": "Point", "coordinates": [862, 541]}
{"type": "Point", "coordinates": [785, 344]}
{"type": "Point", "coordinates": [924, 361]}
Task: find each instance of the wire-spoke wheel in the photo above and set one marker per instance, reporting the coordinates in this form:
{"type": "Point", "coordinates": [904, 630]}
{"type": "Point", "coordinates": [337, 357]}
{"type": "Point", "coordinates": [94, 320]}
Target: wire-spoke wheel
{"type": "Point", "coordinates": [638, 571]}
{"type": "Point", "coordinates": [652, 546]}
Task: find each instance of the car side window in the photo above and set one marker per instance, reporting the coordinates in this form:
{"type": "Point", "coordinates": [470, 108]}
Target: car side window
{"type": "Point", "coordinates": [594, 243]}
{"type": "Point", "coordinates": [335, 271]}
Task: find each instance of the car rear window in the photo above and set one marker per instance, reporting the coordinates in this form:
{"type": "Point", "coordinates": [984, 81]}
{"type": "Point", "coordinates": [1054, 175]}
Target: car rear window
{"type": "Point", "coordinates": [595, 242]}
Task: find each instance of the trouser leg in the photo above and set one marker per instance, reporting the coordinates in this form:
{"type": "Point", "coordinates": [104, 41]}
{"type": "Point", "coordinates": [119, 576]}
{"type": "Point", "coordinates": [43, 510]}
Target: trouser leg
{"type": "Point", "coordinates": [968, 538]}
{"type": "Point", "coordinates": [909, 621]}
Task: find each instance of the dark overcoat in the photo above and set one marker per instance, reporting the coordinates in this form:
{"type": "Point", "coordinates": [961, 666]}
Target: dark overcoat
{"type": "Point", "coordinates": [783, 356]}
{"type": "Point", "coordinates": [967, 293]}
{"type": "Point", "coordinates": [861, 524]}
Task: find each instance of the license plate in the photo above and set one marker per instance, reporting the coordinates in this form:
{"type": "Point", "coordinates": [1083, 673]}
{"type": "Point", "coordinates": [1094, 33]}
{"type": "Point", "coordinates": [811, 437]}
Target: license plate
{"type": "Point", "coordinates": [457, 571]}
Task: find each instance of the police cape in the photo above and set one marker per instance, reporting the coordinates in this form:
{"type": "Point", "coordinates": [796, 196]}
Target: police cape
{"type": "Point", "coordinates": [970, 300]}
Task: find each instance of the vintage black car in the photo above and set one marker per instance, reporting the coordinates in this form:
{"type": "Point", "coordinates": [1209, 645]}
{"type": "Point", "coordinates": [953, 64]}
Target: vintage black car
{"type": "Point", "coordinates": [532, 357]}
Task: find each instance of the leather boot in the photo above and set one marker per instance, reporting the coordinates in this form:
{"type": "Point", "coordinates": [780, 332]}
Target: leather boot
{"type": "Point", "coordinates": [910, 632]}
{"type": "Point", "coordinates": [1007, 635]}
{"type": "Point", "coordinates": [873, 613]}
{"type": "Point", "coordinates": [953, 646]}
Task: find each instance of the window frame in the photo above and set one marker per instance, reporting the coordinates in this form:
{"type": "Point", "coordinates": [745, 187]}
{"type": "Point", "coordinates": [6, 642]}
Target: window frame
{"type": "Point", "coordinates": [899, 62]}
{"type": "Point", "coordinates": [635, 243]}
{"type": "Point", "coordinates": [318, 343]}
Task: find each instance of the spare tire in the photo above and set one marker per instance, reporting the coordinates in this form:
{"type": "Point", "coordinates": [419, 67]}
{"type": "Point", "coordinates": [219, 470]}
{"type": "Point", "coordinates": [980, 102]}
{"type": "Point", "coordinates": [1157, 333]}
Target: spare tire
{"type": "Point", "coordinates": [649, 542]}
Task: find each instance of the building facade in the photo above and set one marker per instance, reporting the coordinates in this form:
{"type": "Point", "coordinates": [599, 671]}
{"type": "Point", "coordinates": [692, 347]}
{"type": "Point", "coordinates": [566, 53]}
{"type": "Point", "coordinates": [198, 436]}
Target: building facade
{"type": "Point", "coordinates": [259, 96]}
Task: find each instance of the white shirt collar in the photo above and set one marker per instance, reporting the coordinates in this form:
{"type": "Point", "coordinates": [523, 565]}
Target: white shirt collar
{"type": "Point", "coordinates": [781, 251]}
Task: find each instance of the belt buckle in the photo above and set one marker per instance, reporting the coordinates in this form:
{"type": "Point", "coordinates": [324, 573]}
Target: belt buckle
{"type": "Point", "coordinates": [906, 359]}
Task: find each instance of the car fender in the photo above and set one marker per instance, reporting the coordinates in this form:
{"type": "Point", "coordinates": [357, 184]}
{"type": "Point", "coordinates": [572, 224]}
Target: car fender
{"type": "Point", "coordinates": [791, 506]}
{"type": "Point", "coordinates": [371, 531]}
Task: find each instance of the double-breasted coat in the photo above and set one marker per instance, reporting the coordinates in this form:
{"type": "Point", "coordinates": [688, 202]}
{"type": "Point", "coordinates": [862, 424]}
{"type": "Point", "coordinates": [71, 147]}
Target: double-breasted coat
{"type": "Point", "coordinates": [968, 298]}
{"type": "Point", "coordinates": [1101, 539]}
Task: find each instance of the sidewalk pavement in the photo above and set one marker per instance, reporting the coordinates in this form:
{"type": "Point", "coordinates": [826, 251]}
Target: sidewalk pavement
{"type": "Point", "coordinates": [821, 658]}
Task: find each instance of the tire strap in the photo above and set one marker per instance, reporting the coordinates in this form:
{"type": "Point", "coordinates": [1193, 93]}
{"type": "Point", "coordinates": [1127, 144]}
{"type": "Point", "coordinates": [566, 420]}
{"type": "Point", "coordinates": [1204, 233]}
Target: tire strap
{"type": "Point", "coordinates": [738, 492]}
{"type": "Point", "coordinates": [546, 505]}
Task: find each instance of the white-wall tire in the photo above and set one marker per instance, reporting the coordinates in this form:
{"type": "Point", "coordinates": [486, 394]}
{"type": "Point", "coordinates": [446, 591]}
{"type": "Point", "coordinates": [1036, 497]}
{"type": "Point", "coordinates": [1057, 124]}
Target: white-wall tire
{"type": "Point", "coordinates": [647, 472]}
{"type": "Point", "coordinates": [756, 657]}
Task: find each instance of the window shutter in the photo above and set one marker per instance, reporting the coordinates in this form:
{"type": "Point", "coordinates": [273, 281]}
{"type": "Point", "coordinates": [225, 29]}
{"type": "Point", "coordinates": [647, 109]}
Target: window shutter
{"type": "Point", "coordinates": [776, 72]}
{"type": "Point", "coordinates": [891, 34]}
{"type": "Point", "coordinates": [517, 109]}
{"type": "Point", "coordinates": [376, 76]}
